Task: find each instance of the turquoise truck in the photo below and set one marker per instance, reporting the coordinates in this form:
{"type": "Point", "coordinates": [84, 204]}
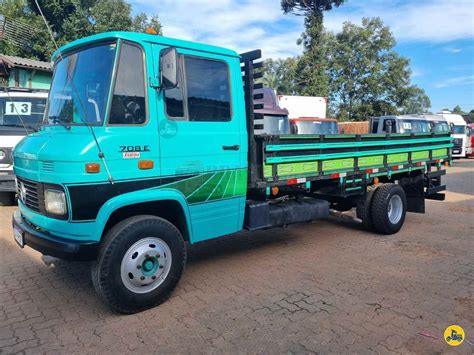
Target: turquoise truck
{"type": "Point", "coordinates": [148, 145]}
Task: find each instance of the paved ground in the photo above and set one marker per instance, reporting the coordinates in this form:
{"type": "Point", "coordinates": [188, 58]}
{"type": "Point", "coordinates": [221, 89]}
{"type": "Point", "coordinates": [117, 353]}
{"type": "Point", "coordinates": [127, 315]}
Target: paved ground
{"type": "Point", "coordinates": [326, 287]}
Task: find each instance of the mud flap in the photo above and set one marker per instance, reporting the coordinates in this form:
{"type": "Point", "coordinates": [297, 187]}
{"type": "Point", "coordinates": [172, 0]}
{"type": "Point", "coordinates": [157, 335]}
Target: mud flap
{"type": "Point", "coordinates": [414, 187]}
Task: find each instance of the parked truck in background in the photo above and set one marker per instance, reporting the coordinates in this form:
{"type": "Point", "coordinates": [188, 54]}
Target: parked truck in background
{"type": "Point", "coordinates": [470, 126]}
{"type": "Point", "coordinates": [461, 134]}
{"type": "Point", "coordinates": [275, 119]}
{"type": "Point", "coordinates": [303, 106]}
{"type": "Point", "coordinates": [21, 113]}
{"type": "Point", "coordinates": [151, 143]}
{"type": "Point", "coordinates": [313, 125]}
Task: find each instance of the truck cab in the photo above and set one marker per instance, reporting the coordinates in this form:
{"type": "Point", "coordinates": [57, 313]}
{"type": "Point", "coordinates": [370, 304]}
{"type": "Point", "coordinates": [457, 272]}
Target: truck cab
{"type": "Point", "coordinates": [460, 133]}
{"type": "Point", "coordinates": [399, 124]}
{"type": "Point", "coordinates": [21, 113]}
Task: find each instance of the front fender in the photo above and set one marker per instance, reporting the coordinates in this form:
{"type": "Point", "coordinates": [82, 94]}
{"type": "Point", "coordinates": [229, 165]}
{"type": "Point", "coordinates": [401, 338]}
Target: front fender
{"type": "Point", "coordinates": [141, 196]}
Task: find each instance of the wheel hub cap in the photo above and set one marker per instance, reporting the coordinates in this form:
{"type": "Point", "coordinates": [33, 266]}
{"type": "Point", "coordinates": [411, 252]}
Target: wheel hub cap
{"type": "Point", "coordinates": [145, 265]}
{"type": "Point", "coordinates": [395, 209]}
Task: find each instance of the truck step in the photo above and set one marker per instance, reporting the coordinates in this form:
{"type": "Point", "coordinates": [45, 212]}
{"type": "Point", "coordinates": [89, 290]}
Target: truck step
{"type": "Point", "coordinates": [266, 214]}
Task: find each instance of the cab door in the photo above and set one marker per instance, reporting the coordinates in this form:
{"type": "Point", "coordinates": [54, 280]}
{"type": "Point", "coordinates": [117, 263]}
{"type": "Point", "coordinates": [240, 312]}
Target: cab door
{"type": "Point", "coordinates": [200, 141]}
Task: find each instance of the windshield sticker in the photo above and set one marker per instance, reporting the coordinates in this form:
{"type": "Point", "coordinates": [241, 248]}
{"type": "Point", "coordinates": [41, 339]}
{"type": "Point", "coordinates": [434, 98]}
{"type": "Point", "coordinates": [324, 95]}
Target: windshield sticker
{"type": "Point", "coordinates": [18, 108]}
{"type": "Point", "coordinates": [131, 155]}
{"type": "Point", "coordinates": [407, 125]}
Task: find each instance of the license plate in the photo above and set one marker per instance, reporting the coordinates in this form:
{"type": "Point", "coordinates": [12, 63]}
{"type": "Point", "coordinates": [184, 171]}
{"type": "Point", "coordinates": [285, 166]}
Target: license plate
{"type": "Point", "coordinates": [19, 237]}
{"type": "Point", "coordinates": [455, 151]}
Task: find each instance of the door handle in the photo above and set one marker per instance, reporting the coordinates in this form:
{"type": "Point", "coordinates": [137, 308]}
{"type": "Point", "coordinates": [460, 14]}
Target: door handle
{"type": "Point", "coordinates": [231, 147]}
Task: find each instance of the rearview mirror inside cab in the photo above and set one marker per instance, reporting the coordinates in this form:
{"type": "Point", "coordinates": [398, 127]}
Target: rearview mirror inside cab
{"type": "Point", "coordinates": [169, 68]}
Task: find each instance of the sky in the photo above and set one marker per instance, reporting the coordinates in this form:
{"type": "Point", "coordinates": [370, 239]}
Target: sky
{"type": "Point", "coordinates": [436, 35]}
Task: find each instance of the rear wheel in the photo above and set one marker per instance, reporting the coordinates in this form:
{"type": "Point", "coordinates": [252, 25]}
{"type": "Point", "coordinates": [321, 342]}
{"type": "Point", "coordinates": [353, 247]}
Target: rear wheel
{"type": "Point", "coordinates": [140, 264]}
{"type": "Point", "coordinates": [388, 208]}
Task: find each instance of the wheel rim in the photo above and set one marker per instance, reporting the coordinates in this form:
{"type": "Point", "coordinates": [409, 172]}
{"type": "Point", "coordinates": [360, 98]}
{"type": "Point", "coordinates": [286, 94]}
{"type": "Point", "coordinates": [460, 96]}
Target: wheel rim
{"type": "Point", "coordinates": [145, 265]}
{"type": "Point", "coordinates": [395, 209]}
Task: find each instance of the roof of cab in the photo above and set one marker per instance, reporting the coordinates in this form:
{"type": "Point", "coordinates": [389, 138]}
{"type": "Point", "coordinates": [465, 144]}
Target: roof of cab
{"type": "Point", "coordinates": [144, 37]}
{"type": "Point", "coordinates": [402, 117]}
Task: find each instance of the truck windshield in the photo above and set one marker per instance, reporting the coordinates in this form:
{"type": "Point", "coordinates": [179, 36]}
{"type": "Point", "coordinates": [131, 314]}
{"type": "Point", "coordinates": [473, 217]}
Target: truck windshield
{"type": "Point", "coordinates": [458, 129]}
{"type": "Point", "coordinates": [441, 127]}
{"type": "Point", "coordinates": [22, 112]}
{"type": "Point", "coordinates": [81, 85]}
{"type": "Point", "coordinates": [414, 126]}
{"type": "Point", "coordinates": [317, 127]}
{"type": "Point", "coordinates": [276, 124]}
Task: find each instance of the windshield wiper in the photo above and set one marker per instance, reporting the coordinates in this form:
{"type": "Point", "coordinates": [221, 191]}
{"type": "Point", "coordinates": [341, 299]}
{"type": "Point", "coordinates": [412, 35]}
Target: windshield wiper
{"type": "Point", "coordinates": [56, 120]}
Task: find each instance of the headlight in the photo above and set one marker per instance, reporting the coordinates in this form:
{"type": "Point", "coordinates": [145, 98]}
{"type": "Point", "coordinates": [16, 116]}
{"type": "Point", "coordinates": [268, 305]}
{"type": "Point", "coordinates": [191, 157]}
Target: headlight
{"type": "Point", "coordinates": [55, 202]}
{"type": "Point", "coordinates": [3, 155]}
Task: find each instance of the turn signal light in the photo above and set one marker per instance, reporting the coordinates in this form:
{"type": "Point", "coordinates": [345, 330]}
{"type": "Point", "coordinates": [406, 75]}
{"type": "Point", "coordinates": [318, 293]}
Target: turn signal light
{"type": "Point", "coordinates": [92, 168]}
{"type": "Point", "coordinates": [145, 164]}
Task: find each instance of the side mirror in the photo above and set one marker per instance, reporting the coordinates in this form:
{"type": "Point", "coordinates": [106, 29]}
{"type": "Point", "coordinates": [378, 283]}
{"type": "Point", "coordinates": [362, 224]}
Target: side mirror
{"type": "Point", "coordinates": [169, 68]}
{"type": "Point", "coordinates": [451, 127]}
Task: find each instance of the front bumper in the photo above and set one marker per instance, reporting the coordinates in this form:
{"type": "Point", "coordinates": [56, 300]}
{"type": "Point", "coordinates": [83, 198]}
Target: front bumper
{"type": "Point", "coordinates": [49, 244]}
{"type": "Point", "coordinates": [7, 181]}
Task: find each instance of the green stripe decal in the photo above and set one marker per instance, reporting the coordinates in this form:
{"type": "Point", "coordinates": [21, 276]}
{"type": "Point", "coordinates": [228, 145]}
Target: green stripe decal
{"type": "Point", "coordinates": [372, 161]}
{"type": "Point", "coordinates": [397, 158]}
{"type": "Point", "coordinates": [338, 164]}
{"type": "Point", "coordinates": [440, 153]}
{"type": "Point", "coordinates": [212, 186]}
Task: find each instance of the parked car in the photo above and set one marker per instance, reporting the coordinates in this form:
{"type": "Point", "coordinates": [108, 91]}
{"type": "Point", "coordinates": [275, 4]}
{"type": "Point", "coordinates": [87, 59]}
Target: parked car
{"type": "Point", "coordinates": [399, 124]}
{"type": "Point", "coordinates": [438, 123]}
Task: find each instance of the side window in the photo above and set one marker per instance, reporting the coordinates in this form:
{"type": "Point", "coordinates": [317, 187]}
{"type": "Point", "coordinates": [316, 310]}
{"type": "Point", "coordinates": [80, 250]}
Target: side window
{"type": "Point", "coordinates": [394, 125]}
{"type": "Point", "coordinates": [375, 126]}
{"type": "Point", "coordinates": [128, 101]}
{"type": "Point", "coordinates": [205, 93]}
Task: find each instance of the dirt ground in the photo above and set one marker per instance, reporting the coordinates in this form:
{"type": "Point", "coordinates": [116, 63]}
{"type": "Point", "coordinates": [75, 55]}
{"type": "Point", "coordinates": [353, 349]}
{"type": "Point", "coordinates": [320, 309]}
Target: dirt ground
{"type": "Point", "coordinates": [327, 287]}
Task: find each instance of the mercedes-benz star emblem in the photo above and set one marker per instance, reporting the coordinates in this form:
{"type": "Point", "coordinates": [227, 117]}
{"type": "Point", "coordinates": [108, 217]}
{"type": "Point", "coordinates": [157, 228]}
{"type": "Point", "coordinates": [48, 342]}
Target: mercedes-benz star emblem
{"type": "Point", "coordinates": [22, 192]}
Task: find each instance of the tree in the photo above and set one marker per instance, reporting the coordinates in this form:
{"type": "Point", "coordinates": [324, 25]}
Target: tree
{"type": "Point", "coordinates": [311, 69]}
{"type": "Point", "coordinates": [457, 110]}
{"type": "Point", "coordinates": [280, 74]}
{"type": "Point", "coordinates": [68, 20]}
{"type": "Point", "coordinates": [366, 77]}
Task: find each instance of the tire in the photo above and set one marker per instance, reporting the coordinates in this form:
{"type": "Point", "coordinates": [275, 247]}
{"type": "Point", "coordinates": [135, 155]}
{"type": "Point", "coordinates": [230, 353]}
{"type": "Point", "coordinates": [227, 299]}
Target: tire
{"type": "Point", "coordinates": [388, 210]}
{"type": "Point", "coordinates": [363, 209]}
{"type": "Point", "coordinates": [139, 264]}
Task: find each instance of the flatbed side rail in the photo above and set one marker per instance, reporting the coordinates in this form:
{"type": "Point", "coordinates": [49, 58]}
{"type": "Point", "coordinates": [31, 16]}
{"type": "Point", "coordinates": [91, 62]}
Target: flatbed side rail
{"type": "Point", "coordinates": [303, 158]}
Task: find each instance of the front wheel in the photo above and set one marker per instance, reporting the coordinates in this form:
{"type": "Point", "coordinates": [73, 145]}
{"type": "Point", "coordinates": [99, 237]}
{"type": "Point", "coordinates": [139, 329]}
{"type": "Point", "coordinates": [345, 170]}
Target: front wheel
{"type": "Point", "coordinates": [388, 208]}
{"type": "Point", "coordinates": [139, 264]}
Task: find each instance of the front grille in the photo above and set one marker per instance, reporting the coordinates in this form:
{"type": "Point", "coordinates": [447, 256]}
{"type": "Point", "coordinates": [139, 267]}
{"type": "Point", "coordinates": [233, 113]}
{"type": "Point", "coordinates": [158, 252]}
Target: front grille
{"type": "Point", "coordinates": [29, 194]}
{"type": "Point", "coordinates": [457, 143]}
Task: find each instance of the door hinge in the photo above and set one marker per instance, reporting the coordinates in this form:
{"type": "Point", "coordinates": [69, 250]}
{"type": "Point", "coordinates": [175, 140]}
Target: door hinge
{"type": "Point", "coordinates": [154, 82]}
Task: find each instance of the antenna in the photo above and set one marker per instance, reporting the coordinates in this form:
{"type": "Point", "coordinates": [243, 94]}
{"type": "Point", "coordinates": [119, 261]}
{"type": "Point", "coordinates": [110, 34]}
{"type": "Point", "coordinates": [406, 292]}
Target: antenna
{"type": "Point", "coordinates": [101, 153]}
